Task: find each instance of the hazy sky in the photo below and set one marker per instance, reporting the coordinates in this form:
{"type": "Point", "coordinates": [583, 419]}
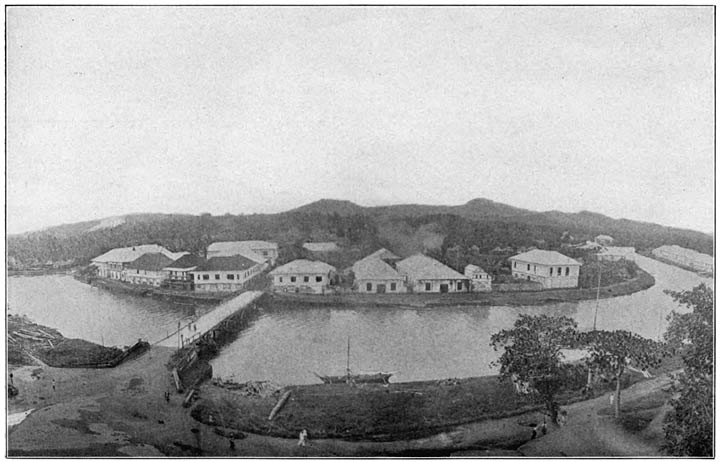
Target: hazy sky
{"type": "Point", "coordinates": [258, 109]}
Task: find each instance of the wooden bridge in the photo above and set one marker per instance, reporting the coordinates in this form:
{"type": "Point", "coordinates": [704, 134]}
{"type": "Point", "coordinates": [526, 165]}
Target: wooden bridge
{"type": "Point", "coordinates": [196, 329]}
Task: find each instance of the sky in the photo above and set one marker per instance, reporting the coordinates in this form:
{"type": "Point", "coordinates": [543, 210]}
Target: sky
{"type": "Point", "coordinates": [117, 110]}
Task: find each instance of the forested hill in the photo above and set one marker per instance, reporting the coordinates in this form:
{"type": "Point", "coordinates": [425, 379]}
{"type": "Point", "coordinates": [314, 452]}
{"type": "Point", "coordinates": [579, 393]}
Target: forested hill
{"type": "Point", "coordinates": [480, 224]}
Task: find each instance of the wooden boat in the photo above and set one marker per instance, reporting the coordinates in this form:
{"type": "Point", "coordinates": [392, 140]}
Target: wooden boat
{"type": "Point", "coordinates": [349, 377]}
{"type": "Point", "coordinates": [378, 377]}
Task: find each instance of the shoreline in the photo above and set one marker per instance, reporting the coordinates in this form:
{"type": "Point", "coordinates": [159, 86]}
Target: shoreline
{"type": "Point", "coordinates": [642, 281]}
{"type": "Point", "coordinates": [677, 265]}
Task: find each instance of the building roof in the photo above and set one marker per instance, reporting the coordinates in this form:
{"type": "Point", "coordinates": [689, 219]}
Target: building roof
{"type": "Point", "coordinates": [383, 254]}
{"type": "Point", "coordinates": [185, 262]}
{"type": "Point", "coordinates": [617, 251]}
{"type": "Point", "coordinates": [150, 262]}
{"type": "Point", "coordinates": [303, 267]}
{"type": "Point", "coordinates": [374, 268]}
{"type": "Point", "coordinates": [128, 254]}
{"type": "Point", "coordinates": [233, 263]}
{"type": "Point", "coordinates": [545, 257]}
{"type": "Point", "coordinates": [321, 246]}
{"type": "Point", "coordinates": [244, 248]}
{"type": "Point", "coordinates": [420, 266]}
{"type": "Point", "coordinates": [474, 269]}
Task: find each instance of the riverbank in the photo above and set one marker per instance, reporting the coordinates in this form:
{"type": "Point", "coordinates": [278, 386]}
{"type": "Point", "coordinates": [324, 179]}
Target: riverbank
{"type": "Point", "coordinates": [30, 343]}
{"type": "Point", "coordinates": [122, 412]}
{"type": "Point", "coordinates": [156, 292]}
{"type": "Point", "coordinates": [642, 281]}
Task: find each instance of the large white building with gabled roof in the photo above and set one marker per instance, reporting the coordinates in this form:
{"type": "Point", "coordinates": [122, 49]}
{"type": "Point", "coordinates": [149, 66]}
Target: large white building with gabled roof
{"type": "Point", "coordinates": [426, 275]}
{"type": "Point", "coordinates": [551, 269]}
{"type": "Point", "coordinates": [111, 264]}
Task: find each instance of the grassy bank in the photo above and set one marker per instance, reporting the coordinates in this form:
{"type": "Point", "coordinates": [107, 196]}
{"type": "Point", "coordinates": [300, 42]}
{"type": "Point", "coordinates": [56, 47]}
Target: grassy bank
{"type": "Point", "coordinates": [642, 281]}
{"type": "Point", "coordinates": [28, 340]}
{"type": "Point", "coordinates": [373, 412]}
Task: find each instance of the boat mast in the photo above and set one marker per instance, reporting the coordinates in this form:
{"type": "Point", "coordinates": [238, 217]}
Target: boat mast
{"type": "Point", "coordinates": [347, 368]}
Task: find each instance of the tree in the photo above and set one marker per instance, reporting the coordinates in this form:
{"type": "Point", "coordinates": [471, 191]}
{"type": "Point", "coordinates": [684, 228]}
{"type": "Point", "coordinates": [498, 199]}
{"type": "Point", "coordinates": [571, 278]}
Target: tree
{"type": "Point", "coordinates": [689, 426]}
{"type": "Point", "coordinates": [611, 352]}
{"type": "Point", "coordinates": [532, 354]}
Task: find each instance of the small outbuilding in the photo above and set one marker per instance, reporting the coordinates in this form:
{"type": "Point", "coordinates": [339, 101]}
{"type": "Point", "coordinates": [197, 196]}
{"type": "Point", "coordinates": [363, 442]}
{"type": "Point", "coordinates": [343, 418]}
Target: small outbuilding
{"type": "Point", "coordinates": [480, 281]}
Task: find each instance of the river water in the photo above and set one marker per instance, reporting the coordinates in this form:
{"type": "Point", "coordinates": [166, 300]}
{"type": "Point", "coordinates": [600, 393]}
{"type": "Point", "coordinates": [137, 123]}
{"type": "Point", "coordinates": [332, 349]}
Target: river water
{"type": "Point", "coordinates": [287, 345]}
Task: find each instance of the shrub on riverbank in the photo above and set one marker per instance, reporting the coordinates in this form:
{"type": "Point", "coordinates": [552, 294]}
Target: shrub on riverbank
{"type": "Point", "coordinates": [77, 352]}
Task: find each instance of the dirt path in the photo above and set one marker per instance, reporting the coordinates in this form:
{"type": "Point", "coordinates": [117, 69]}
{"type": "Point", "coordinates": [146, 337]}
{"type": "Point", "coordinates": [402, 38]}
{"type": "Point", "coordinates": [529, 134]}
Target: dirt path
{"type": "Point", "coordinates": [592, 430]}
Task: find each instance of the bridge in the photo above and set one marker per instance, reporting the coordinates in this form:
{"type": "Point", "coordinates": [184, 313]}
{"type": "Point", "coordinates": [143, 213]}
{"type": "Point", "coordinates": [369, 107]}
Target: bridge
{"type": "Point", "coordinates": [194, 330]}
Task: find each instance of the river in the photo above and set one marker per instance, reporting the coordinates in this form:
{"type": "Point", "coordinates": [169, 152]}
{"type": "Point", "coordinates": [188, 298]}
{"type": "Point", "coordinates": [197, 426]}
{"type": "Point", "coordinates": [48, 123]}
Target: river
{"type": "Point", "coordinates": [287, 345]}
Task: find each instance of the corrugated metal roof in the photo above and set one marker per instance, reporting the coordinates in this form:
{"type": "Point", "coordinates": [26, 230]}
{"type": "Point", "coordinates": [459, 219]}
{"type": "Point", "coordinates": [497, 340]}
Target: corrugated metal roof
{"type": "Point", "coordinates": [383, 254]}
{"type": "Point", "coordinates": [420, 266]}
{"type": "Point", "coordinates": [150, 262]}
{"type": "Point", "coordinates": [128, 254]}
{"type": "Point", "coordinates": [303, 267]}
{"type": "Point", "coordinates": [545, 257]}
{"type": "Point", "coordinates": [374, 268]}
{"type": "Point", "coordinates": [233, 263]}
{"type": "Point", "coordinates": [321, 246]}
{"type": "Point", "coordinates": [185, 262]}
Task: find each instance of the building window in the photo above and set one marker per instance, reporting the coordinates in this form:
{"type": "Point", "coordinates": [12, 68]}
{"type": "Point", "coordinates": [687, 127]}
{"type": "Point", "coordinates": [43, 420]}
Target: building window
{"type": "Point", "coordinates": [551, 271]}
{"type": "Point", "coordinates": [217, 276]}
{"type": "Point", "coordinates": [292, 278]}
{"type": "Point", "coordinates": [306, 279]}
{"type": "Point", "coordinates": [393, 286]}
{"type": "Point", "coordinates": [559, 271]}
{"type": "Point", "coordinates": [567, 271]}
{"type": "Point", "coordinates": [280, 278]}
{"type": "Point", "coordinates": [514, 264]}
{"type": "Point", "coordinates": [534, 268]}
{"type": "Point", "coordinates": [231, 277]}
{"type": "Point", "coordinates": [318, 278]}
{"type": "Point", "coordinates": [368, 286]}
{"type": "Point", "coordinates": [459, 285]}
{"type": "Point", "coordinates": [528, 266]}
{"type": "Point", "coordinates": [427, 287]}
{"type": "Point", "coordinates": [206, 277]}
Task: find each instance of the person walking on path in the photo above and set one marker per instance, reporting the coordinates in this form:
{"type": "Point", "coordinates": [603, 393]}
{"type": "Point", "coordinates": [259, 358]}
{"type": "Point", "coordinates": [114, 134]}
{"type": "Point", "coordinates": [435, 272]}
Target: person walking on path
{"type": "Point", "coordinates": [53, 384]}
{"type": "Point", "coordinates": [302, 438]}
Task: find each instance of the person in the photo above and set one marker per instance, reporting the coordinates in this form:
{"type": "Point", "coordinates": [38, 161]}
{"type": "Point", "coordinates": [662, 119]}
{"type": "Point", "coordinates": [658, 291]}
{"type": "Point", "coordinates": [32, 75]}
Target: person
{"type": "Point", "coordinates": [167, 396]}
{"type": "Point", "coordinates": [562, 417]}
{"type": "Point", "coordinates": [53, 384]}
{"type": "Point", "coordinates": [232, 444]}
{"type": "Point", "coordinates": [11, 379]}
{"type": "Point", "coordinates": [534, 432]}
{"type": "Point", "coordinates": [303, 438]}
{"type": "Point", "coordinates": [543, 427]}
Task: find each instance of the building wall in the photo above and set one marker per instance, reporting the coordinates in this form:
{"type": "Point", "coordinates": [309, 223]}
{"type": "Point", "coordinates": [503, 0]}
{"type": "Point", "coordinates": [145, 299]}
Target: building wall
{"type": "Point", "coordinates": [224, 281]}
{"type": "Point", "coordinates": [547, 275]}
{"type": "Point", "coordinates": [144, 277]}
{"type": "Point", "coordinates": [479, 281]}
{"type": "Point", "coordinates": [316, 283]}
{"type": "Point", "coordinates": [433, 285]}
{"type": "Point", "coordinates": [362, 286]}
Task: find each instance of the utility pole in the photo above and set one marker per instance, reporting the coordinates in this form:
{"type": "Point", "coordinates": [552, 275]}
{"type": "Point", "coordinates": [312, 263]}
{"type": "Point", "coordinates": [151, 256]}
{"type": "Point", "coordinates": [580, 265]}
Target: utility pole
{"type": "Point", "coordinates": [597, 302]}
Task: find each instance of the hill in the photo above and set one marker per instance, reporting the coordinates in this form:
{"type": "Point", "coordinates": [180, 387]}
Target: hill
{"type": "Point", "coordinates": [477, 227]}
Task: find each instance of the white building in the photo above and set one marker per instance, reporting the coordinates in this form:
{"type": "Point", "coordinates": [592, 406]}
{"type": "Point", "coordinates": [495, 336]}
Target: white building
{"type": "Point", "coordinates": [147, 270]}
{"type": "Point", "coordinates": [549, 268]}
{"type": "Point", "coordinates": [480, 281]}
{"type": "Point", "coordinates": [373, 275]}
{"type": "Point", "coordinates": [685, 257]}
{"type": "Point", "coordinates": [111, 264]}
{"type": "Point", "coordinates": [225, 274]}
{"type": "Point", "coordinates": [254, 250]}
{"type": "Point", "coordinates": [303, 276]}
{"type": "Point", "coordinates": [426, 275]}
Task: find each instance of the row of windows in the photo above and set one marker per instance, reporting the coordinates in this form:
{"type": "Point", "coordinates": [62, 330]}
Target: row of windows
{"type": "Point", "coordinates": [229, 277]}
{"type": "Point", "coordinates": [559, 269]}
{"type": "Point", "coordinates": [393, 286]}
{"type": "Point", "coordinates": [305, 278]}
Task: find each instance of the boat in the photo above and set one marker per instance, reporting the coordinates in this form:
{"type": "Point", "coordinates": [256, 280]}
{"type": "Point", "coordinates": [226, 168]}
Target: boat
{"type": "Point", "coordinates": [349, 377]}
